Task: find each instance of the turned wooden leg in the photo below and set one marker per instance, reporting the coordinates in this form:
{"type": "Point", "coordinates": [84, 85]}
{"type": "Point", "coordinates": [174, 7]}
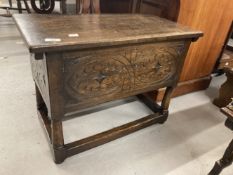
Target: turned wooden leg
{"type": "Point", "coordinates": [53, 129]}
{"type": "Point", "coordinates": [225, 161]}
{"type": "Point", "coordinates": [163, 109]}
{"type": "Point", "coordinates": [166, 102]}
{"type": "Point", "coordinates": [57, 141]}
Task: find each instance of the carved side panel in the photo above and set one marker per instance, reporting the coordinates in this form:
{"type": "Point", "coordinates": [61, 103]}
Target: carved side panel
{"type": "Point", "coordinates": [39, 73]}
{"type": "Point", "coordinates": [107, 74]}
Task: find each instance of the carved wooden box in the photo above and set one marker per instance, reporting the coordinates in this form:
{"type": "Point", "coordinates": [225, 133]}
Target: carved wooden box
{"type": "Point", "coordinates": [82, 61]}
{"type": "Point", "coordinates": [107, 74]}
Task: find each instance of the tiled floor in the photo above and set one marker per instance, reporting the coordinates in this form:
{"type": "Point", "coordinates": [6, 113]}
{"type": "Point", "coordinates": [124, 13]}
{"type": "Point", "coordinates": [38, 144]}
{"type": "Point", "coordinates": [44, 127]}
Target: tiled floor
{"type": "Point", "coordinates": [187, 144]}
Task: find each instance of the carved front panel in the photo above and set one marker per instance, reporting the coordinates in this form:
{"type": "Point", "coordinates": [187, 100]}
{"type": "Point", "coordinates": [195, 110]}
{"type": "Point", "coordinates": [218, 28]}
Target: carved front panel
{"type": "Point", "coordinates": [112, 73]}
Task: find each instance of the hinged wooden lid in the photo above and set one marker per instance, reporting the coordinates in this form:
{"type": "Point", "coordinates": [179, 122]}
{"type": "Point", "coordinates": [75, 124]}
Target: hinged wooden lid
{"type": "Point", "coordinates": [47, 33]}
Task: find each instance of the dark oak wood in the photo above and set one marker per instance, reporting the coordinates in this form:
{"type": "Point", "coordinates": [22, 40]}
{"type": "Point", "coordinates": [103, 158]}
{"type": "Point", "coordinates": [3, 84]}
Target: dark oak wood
{"type": "Point", "coordinates": [117, 6]}
{"type": "Point", "coordinates": [107, 136]}
{"type": "Point", "coordinates": [97, 31]}
{"type": "Point", "coordinates": [225, 92]}
{"type": "Point", "coordinates": [226, 59]}
{"type": "Point", "coordinates": [200, 14]}
{"type": "Point", "coordinates": [128, 70]}
{"type": "Point", "coordinates": [168, 9]}
{"type": "Point", "coordinates": [108, 59]}
{"type": "Point", "coordinates": [227, 158]}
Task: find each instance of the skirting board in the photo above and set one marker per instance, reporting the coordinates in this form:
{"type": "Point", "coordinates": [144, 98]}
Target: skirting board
{"type": "Point", "coordinates": [183, 88]}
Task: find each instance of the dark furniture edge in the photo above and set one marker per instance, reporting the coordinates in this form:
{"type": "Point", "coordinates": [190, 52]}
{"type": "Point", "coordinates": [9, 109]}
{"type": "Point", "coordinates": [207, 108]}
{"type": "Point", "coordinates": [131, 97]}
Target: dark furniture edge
{"type": "Point", "coordinates": [70, 47]}
{"type": "Point", "coordinates": [193, 35]}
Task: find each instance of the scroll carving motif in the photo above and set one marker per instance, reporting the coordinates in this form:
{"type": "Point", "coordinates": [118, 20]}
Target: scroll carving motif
{"type": "Point", "coordinates": [119, 70]}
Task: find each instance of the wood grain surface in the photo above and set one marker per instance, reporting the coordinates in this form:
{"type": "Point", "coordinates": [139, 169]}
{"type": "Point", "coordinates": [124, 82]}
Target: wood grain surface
{"type": "Point", "coordinates": [96, 31]}
{"type": "Point", "coordinates": [102, 75]}
{"type": "Point", "coordinates": [108, 57]}
{"type": "Point", "coordinates": [214, 18]}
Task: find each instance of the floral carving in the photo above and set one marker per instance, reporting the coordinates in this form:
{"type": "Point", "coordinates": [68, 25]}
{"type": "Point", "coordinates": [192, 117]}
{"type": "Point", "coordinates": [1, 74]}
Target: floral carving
{"type": "Point", "coordinates": [119, 70]}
